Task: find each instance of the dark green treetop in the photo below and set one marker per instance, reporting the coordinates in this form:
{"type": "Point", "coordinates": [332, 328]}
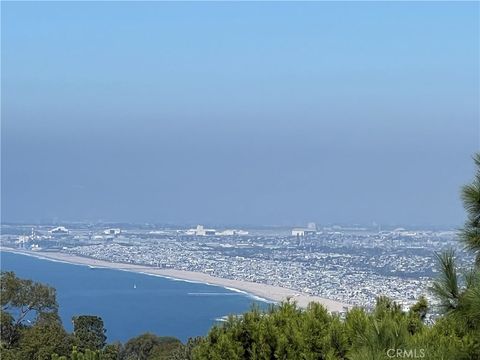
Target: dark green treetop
{"type": "Point", "coordinates": [89, 332]}
{"type": "Point", "coordinates": [470, 234]}
{"type": "Point", "coordinates": [26, 297]}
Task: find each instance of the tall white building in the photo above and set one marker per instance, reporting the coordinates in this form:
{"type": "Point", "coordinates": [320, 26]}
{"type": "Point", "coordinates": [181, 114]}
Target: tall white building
{"type": "Point", "coordinates": [311, 229]}
{"type": "Point", "coordinates": [201, 231]}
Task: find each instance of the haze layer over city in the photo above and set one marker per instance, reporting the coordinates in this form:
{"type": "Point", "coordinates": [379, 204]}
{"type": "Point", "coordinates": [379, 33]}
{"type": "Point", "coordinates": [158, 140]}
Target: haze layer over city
{"type": "Point", "coordinates": [250, 115]}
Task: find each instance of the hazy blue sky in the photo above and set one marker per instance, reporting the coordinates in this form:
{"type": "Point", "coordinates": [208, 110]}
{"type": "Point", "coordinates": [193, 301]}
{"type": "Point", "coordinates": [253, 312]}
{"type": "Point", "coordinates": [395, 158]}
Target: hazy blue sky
{"type": "Point", "coordinates": [258, 113]}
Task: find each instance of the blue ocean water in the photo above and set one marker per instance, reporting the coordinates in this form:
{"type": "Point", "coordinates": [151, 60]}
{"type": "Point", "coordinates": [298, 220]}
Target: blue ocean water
{"type": "Point", "coordinates": [130, 303]}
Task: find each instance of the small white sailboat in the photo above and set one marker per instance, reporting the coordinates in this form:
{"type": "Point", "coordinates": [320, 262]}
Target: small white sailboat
{"type": "Point", "coordinates": [134, 286]}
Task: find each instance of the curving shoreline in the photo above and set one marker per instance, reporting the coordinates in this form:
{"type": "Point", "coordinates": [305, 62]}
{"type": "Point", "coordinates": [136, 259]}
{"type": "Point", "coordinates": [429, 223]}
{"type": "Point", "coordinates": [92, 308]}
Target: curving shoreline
{"type": "Point", "coordinates": [258, 291]}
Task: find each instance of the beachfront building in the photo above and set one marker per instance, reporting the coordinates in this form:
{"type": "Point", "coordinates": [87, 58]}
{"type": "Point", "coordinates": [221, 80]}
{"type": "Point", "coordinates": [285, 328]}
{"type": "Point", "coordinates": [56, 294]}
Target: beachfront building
{"type": "Point", "coordinates": [201, 231]}
{"type": "Point", "coordinates": [60, 230]}
{"type": "Point", "coordinates": [311, 229]}
{"type": "Point", "coordinates": [112, 232]}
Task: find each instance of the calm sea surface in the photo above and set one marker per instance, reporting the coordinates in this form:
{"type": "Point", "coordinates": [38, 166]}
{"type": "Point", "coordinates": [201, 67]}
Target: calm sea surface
{"type": "Point", "coordinates": [129, 303]}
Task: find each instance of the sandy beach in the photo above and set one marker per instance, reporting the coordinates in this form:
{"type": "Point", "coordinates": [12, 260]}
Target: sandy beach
{"type": "Point", "coordinates": [268, 292]}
